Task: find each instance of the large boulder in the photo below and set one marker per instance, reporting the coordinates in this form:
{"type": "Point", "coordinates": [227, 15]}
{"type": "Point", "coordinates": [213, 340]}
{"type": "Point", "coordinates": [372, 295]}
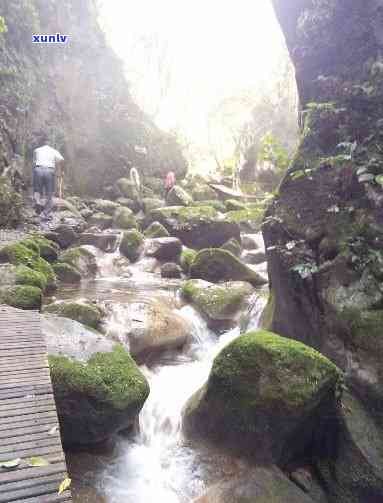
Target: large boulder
{"type": "Point", "coordinates": [124, 219]}
{"type": "Point", "coordinates": [197, 227]}
{"type": "Point", "coordinates": [216, 265]}
{"type": "Point", "coordinates": [186, 259]}
{"type": "Point", "coordinates": [168, 249]}
{"type": "Point", "coordinates": [66, 273]}
{"type": "Point", "coordinates": [178, 196]}
{"type": "Point", "coordinates": [83, 312]}
{"type": "Point", "coordinates": [131, 244]}
{"type": "Point", "coordinates": [21, 296]}
{"type": "Point", "coordinates": [82, 259]}
{"type": "Point", "coordinates": [156, 230]}
{"type": "Point", "coordinates": [101, 220]}
{"type": "Point", "coordinates": [153, 326]}
{"type": "Point", "coordinates": [266, 396]}
{"type": "Point", "coordinates": [64, 235]}
{"type": "Point", "coordinates": [97, 398]}
{"type": "Point", "coordinates": [105, 241]}
{"type": "Point", "coordinates": [249, 219]}
{"type": "Point", "coordinates": [106, 206]}
{"type": "Point", "coordinates": [150, 203]}
{"type": "Point", "coordinates": [171, 270]}
{"type": "Point", "coordinates": [217, 302]}
{"type": "Point", "coordinates": [260, 485]}
{"type": "Point", "coordinates": [352, 461]}
{"type": "Point", "coordinates": [127, 188]}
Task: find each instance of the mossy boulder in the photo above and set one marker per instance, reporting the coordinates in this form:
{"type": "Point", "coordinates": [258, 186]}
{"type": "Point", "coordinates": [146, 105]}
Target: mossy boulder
{"type": "Point", "coordinates": [127, 188]}
{"type": "Point", "coordinates": [171, 270]}
{"type": "Point", "coordinates": [212, 203]}
{"type": "Point", "coordinates": [81, 259]}
{"type": "Point", "coordinates": [178, 196]}
{"type": "Point", "coordinates": [27, 276]}
{"type": "Point", "coordinates": [124, 219]}
{"type": "Point", "coordinates": [106, 206]}
{"type": "Point", "coordinates": [250, 219]}
{"type": "Point", "coordinates": [66, 273]}
{"type": "Point", "coordinates": [196, 226]}
{"type": "Point", "coordinates": [216, 265]}
{"type": "Point", "coordinates": [18, 254]}
{"type": "Point", "coordinates": [234, 205]}
{"type": "Point", "coordinates": [203, 192]}
{"type": "Point", "coordinates": [150, 203]}
{"type": "Point", "coordinates": [97, 398]}
{"type": "Point", "coordinates": [156, 230]}
{"type": "Point", "coordinates": [131, 244]}
{"type": "Point", "coordinates": [49, 250]}
{"type": "Point", "coordinates": [217, 302]}
{"type": "Point", "coordinates": [83, 312]}
{"type": "Point", "coordinates": [233, 246]}
{"type": "Point", "coordinates": [11, 204]}
{"type": "Point", "coordinates": [265, 396]}
{"type": "Point", "coordinates": [186, 259]}
{"type": "Point", "coordinates": [21, 296]}
{"type": "Point", "coordinates": [101, 220]}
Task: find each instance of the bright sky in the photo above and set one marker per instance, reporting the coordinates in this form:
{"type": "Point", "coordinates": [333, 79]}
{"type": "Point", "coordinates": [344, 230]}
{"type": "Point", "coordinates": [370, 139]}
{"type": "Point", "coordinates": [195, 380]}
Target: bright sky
{"type": "Point", "coordinates": [215, 47]}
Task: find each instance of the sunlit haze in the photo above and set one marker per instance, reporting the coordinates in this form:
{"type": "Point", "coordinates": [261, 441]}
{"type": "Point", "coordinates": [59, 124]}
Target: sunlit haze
{"type": "Point", "coordinates": [210, 50]}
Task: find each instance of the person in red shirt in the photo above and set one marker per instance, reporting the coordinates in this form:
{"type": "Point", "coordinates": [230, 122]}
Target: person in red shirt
{"type": "Point", "coordinates": [170, 181]}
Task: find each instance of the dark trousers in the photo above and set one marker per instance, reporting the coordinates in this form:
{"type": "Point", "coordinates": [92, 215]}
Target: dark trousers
{"type": "Point", "coordinates": [44, 186]}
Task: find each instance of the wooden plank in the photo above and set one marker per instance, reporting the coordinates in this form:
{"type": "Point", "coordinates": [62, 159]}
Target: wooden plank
{"type": "Point", "coordinates": [29, 438]}
{"type": "Point", "coordinates": [26, 391]}
{"type": "Point", "coordinates": [36, 381]}
{"type": "Point", "coordinates": [39, 490]}
{"type": "Point", "coordinates": [27, 430]}
{"type": "Point", "coordinates": [20, 413]}
{"type": "Point", "coordinates": [33, 444]}
{"type": "Point", "coordinates": [37, 417]}
{"type": "Point", "coordinates": [53, 498]}
{"type": "Point", "coordinates": [31, 473]}
{"type": "Point", "coordinates": [27, 453]}
{"type": "Point", "coordinates": [23, 378]}
{"type": "Point", "coordinates": [12, 487]}
{"type": "Point", "coordinates": [27, 399]}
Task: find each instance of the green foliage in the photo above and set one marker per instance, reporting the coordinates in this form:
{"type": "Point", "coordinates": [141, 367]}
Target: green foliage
{"type": "Point", "coordinates": [273, 151]}
{"type": "Point", "coordinates": [3, 26]}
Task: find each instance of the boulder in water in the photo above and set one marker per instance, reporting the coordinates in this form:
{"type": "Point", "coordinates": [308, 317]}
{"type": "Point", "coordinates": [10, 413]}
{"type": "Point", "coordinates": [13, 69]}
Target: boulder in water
{"type": "Point", "coordinates": [164, 248]}
{"type": "Point", "coordinates": [83, 312]}
{"type": "Point", "coordinates": [106, 242]}
{"type": "Point", "coordinates": [266, 396]}
{"type": "Point", "coordinates": [65, 235]}
{"type": "Point", "coordinates": [21, 296]}
{"type": "Point", "coordinates": [66, 273]}
{"type": "Point", "coordinates": [263, 484]}
{"type": "Point", "coordinates": [217, 302]}
{"type": "Point", "coordinates": [81, 259]}
{"type": "Point", "coordinates": [101, 220]}
{"type": "Point", "coordinates": [178, 196]}
{"type": "Point", "coordinates": [197, 226]}
{"type": "Point", "coordinates": [97, 398]}
{"type": "Point", "coordinates": [131, 244]}
{"type": "Point", "coordinates": [233, 246]}
{"type": "Point", "coordinates": [216, 265]}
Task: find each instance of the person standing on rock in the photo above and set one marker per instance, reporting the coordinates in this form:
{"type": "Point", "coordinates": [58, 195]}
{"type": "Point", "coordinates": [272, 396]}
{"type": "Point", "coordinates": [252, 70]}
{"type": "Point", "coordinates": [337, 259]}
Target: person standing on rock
{"type": "Point", "coordinates": [44, 172]}
{"type": "Point", "coordinates": [170, 181]}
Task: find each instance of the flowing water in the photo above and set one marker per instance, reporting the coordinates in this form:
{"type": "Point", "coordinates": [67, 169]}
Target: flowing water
{"type": "Point", "coordinates": [157, 463]}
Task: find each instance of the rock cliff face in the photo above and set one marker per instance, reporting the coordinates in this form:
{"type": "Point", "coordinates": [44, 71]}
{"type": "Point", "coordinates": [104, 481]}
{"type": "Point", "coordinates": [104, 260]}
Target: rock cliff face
{"type": "Point", "coordinates": [324, 231]}
{"type": "Point", "coordinates": [77, 93]}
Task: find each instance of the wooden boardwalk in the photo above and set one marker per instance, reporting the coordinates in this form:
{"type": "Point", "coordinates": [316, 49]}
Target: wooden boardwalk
{"type": "Point", "coordinates": [29, 425]}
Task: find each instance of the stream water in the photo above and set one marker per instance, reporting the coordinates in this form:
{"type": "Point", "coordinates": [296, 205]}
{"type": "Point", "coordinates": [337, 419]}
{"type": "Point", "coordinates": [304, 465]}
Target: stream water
{"type": "Point", "coordinates": [156, 463]}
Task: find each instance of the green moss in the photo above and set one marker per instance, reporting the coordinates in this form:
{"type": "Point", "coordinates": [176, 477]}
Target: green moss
{"type": "Point", "coordinates": [232, 246]}
{"type": "Point", "coordinates": [252, 216]}
{"type": "Point", "coordinates": [27, 276]}
{"type": "Point", "coordinates": [46, 269]}
{"type": "Point", "coordinates": [217, 302]}
{"type": "Point", "coordinates": [88, 314]}
{"type": "Point", "coordinates": [113, 379]}
{"type": "Point", "coordinates": [234, 205]}
{"type": "Point", "coordinates": [186, 259]}
{"type": "Point", "coordinates": [66, 273]}
{"type": "Point", "coordinates": [215, 264]}
{"type": "Point", "coordinates": [18, 254]}
{"type": "Point", "coordinates": [131, 244]}
{"type": "Point", "coordinates": [365, 329]}
{"type": "Point", "coordinates": [48, 249]}
{"type": "Point", "coordinates": [212, 203]}
{"type": "Point", "coordinates": [185, 214]}
{"type": "Point", "coordinates": [124, 219]}
{"type": "Point", "coordinates": [31, 244]}
{"type": "Point", "coordinates": [21, 296]}
{"type": "Point", "coordinates": [156, 230]}
{"type": "Point", "coordinates": [105, 206]}
{"type": "Point", "coordinates": [267, 316]}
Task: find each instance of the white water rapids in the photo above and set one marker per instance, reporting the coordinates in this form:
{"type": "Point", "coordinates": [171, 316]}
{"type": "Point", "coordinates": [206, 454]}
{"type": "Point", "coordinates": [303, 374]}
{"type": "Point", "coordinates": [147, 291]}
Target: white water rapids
{"type": "Point", "coordinates": [157, 464]}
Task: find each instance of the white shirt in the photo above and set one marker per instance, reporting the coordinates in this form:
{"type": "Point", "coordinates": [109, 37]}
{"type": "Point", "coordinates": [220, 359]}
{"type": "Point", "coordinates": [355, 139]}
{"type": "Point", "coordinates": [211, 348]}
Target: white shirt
{"type": "Point", "coordinates": [47, 156]}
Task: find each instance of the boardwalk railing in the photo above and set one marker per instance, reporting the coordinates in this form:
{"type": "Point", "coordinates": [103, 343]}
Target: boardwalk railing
{"type": "Point", "coordinates": [29, 428]}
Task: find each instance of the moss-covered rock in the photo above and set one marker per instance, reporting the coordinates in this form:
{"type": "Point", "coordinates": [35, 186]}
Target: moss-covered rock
{"type": "Point", "coordinates": [27, 276]}
{"type": "Point", "coordinates": [150, 203]}
{"type": "Point", "coordinates": [106, 206]}
{"type": "Point", "coordinates": [21, 296]}
{"type": "Point", "coordinates": [124, 219]}
{"type": "Point", "coordinates": [127, 188]}
{"type": "Point", "coordinates": [81, 259]}
{"type": "Point", "coordinates": [233, 246]}
{"type": "Point", "coordinates": [216, 265]}
{"type": "Point", "coordinates": [248, 219]}
{"type": "Point", "coordinates": [196, 226]}
{"type": "Point", "coordinates": [101, 220]}
{"type": "Point", "coordinates": [156, 230]}
{"type": "Point", "coordinates": [217, 302]}
{"type": "Point", "coordinates": [66, 273]}
{"type": "Point", "coordinates": [178, 196]}
{"type": "Point", "coordinates": [266, 396]}
{"type": "Point", "coordinates": [211, 203]}
{"type": "Point", "coordinates": [171, 270]}
{"type": "Point", "coordinates": [234, 205]}
{"type": "Point", "coordinates": [49, 250]}
{"type": "Point", "coordinates": [186, 259]}
{"type": "Point", "coordinates": [168, 249]}
{"type": "Point", "coordinates": [86, 313]}
{"type": "Point", "coordinates": [98, 398]}
{"type": "Point", "coordinates": [11, 204]}
{"type": "Point", "coordinates": [203, 192]}
{"type": "Point", "coordinates": [131, 244]}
